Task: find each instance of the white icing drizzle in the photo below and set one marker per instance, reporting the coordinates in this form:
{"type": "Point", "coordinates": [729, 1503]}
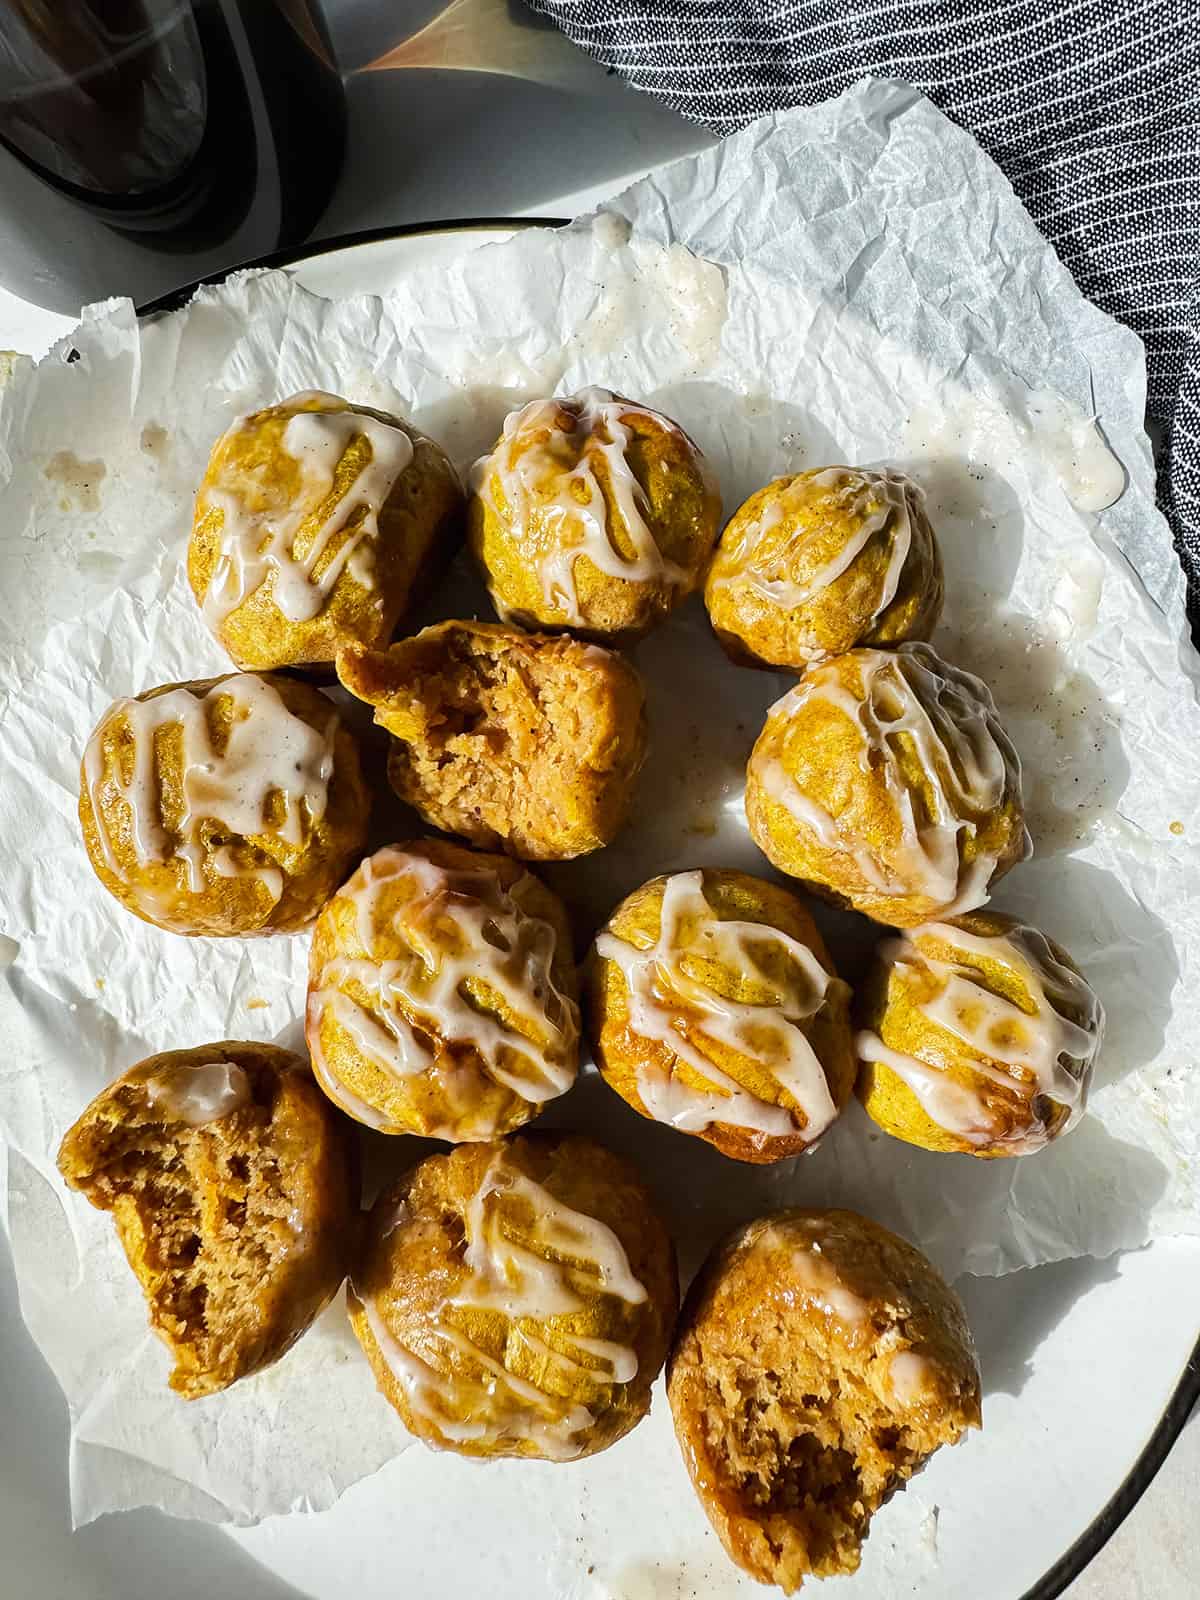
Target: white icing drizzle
{"type": "Point", "coordinates": [343, 1097]}
{"type": "Point", "coordinates": [422, 997]}
{"type": "Point", "coordinates": [255, 547]}
{"type": "Point", "coordinates": [197, 1094]}
{"type": "Point", "coordinates": [669, 1004]}
{"type": "Point", "coordinates": [538, 478]}
{"type": "Point", "coordinates": [950, 1104]}
{"type": "Point", "coordinates": [910, 1374]}
{"type": "Point", "coordinates": [822, 1285]}
{"type": "Point", "coordinates": [523, 1283]}
{"type": "Point", "coordinates": [969, 762]}
{"type": "Point", "coordinates": [1042, 1052]}
{"type": "Point", "coordinates": [428, 1392]}
{"type": "Point", "coordinates": [269, 751]}
{"type": "Point", "coordinates": [873, 504]}
{"type": "Point", "coordinates": [509, 1277]}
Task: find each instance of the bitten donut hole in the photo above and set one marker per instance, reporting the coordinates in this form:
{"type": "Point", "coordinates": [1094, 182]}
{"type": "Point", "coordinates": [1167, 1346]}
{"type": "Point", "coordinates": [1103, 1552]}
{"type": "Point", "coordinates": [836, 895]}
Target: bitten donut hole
{"type": "Point", "coordinates": [208, 1223]}
{"type": "Point", "coordinates": [525, 744]}
{"type": "Point", "coordinates": [805, 1453]}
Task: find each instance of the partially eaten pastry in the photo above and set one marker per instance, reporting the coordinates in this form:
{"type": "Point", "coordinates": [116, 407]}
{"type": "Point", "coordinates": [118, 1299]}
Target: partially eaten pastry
{"type": "Point", "coordinates": [517, 742]}
{"type": "Point", "coordinates": [228, 1178]}
{"type": "Point", "coordinates": [821, 1362]}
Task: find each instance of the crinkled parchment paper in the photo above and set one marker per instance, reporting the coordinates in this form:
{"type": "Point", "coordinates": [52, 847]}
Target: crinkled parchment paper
{"type": "Point", "coordinates": [852, 283]}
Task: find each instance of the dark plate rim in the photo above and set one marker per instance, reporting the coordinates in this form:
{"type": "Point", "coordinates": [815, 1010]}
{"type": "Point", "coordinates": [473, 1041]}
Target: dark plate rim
{"type": "Point", "coordinates": [176, 299]}
{"type": "Point", "coordinates": [1186, 1396]}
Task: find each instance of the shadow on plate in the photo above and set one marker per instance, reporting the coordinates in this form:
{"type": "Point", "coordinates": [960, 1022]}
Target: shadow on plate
{"type": "Point", "coordinates": [750, 438]}
{"type": "Point", "coordinates": [1125, 950]}
{"type": "Point", "coordinates": [140, 1555]}
{"type": "Point", "coordinates": [1012, 1316]}
{"type": "Point", "coordinates": [1066, 733]}
{"type": "Point", "coordinates": [979, 524]}
{"type": "Point", "coordinates": [687, 811]}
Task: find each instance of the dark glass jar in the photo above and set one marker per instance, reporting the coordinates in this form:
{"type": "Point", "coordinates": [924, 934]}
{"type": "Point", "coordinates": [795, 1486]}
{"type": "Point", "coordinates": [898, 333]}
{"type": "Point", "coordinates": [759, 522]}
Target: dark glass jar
{"type": "Point", "coordinates": [144, 143]}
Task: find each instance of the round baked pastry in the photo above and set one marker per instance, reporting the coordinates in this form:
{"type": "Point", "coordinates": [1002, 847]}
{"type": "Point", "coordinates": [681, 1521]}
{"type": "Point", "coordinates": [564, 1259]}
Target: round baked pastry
{"type": "Point", "coordinates": [516, 741]}
{"type": "Point", "coordinates": [714, 1007]}
{"type": "Point", "coordinates": [231, 806]}
{"type": "Point", "coordinates": [820, 1362]}
{"type": "Point", "coordinates": [885, 782]}
{"type": "Point", "coordinates": [517, 1298]}
{"type": "Point", "coordinates": [815, 564]}
{"type": "Point", "coordinates": [228, 1177]}
{"type": "Point", "coordinates": [979, 1035]}
{"type": "Point", "coordinates": [592, 513]}
{"type": "Point", "coordinates": [317, 523]}
{"type": "Point", "coordinates": [442, 995]}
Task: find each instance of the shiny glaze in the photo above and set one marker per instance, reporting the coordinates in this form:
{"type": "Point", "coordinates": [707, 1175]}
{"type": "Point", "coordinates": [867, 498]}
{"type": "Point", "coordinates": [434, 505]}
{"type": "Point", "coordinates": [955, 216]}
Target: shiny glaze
{"type": "Point", "coordinates": [255, 548]}
{"type": "Point", "coordinates": [197, 1094]}
{"type": "Point", "coordinates": [1039, 1052]}
{"type": "Point", "coordinates": [269, 752]}
{"type": "Point", "coordinates": [874, 505]}
{"type": "Point", "coordinates": [420, 1001]}
{"type": "Point", "coordinates": [460, 1391]}
{"type": "Point", "coordinates": [968, 761]}
{"type": "Point", "coordinates": [546, 452]}
{"type": "Point", "coordinates": [667, 1003]}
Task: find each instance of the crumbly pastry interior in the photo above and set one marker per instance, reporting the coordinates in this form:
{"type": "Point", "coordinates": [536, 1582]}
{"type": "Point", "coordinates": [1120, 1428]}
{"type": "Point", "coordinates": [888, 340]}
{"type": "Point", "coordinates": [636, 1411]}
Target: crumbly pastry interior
{"type": "Point", "coordinates": [979, 1035]}
{"type": "Point", "coordinates": [822, 1362]}
{"type": "Point", "coordinates": [230, 1193]}
{"type": "Point", "coordinates": [442, 994]}
{"type": "Point", "coordinates": [592, 512]}
{"type": "Point", "coordinates": [717, 1011]}
{"type": "Point", "coordinates": [885, 780]}
{"type": "Point", "coordinates": [813, 565]}
{"type": "Point", "coordinates": [522, 743]}
{"type": "Point", "coordinates": [516, 1299]}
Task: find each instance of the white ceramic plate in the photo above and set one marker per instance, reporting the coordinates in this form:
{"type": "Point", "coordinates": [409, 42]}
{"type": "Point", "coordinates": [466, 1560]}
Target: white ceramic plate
{"type": "Point", "coordinates": [1089, 1372]}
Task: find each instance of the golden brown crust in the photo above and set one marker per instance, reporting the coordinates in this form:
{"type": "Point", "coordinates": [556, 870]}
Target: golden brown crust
{"type": "Point", "coordinates": [457, 1094]}
{"type": "Point", "coordinates": [414, 1264]}
{"type": "Point", "coordinates": [812, 744]}
{"type": "Point", "coordinates": [769, 593]}
{"type": "Point", "coordinates": [159, 892]}
{"type": "Point", "coordinates": [420, 525]}
{"type": "Point", "coordinates": [524, 743]}
{"type": "Point", "coordinates": [1010, 1113]}
{"type": "Point", "coordinates": [626, 1057]}
{"type": "Point", "coordinates": [793, 1422]}
{"type": "Point", "coordinates": [239, 1229]}
{"type": "Point", "coordinates": [680, 503]}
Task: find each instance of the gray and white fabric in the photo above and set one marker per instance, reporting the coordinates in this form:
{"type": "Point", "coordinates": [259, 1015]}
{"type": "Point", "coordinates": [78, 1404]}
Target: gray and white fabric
{"type": "Point", "coordinates": [1091, 108]}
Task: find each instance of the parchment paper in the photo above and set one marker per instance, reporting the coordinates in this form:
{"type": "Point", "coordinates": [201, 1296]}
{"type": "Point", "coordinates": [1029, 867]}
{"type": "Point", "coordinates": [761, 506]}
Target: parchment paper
{"type": "Point", "coordinates": [852, 283]}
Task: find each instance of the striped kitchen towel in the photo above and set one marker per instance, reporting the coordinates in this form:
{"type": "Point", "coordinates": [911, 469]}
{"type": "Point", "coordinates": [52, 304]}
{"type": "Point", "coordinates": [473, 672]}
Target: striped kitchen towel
{"type": "Point", "coordinates": [1091, 108]}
